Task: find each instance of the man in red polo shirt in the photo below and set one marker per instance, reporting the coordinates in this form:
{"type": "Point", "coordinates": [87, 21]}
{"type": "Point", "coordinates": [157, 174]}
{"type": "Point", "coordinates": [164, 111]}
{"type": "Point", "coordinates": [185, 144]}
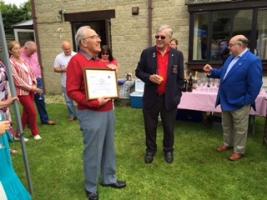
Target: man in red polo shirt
{"type": "Point", "coordinates": [96, 117]}
{"type": "Point", "coordinates": [162, 70]}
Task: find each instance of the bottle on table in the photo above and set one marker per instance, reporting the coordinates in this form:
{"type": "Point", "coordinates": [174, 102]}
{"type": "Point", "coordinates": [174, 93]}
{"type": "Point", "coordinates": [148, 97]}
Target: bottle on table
{"type": "Point", "coordinates": [190, 83]}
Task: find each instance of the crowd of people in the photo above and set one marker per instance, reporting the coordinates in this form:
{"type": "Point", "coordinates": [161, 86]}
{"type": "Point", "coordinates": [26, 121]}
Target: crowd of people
{"type": "Point", "coordinates": [160, 67]}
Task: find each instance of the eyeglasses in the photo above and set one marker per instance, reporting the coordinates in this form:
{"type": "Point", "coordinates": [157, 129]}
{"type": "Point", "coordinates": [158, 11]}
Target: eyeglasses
{"type": "Point", "coordinates": [162, 37]}
{"type": "Point", "coordinates": [105, 53]}
{"type": "Point", "coordinates": [92, 37]}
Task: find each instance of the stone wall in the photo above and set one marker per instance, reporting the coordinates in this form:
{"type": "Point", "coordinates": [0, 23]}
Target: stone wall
{"type": "Point", "coordinates": [129, 32]}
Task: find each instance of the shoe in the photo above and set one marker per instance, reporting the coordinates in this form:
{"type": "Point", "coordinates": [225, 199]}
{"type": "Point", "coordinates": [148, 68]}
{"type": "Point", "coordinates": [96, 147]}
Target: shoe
{"type": "Point", "coordinates": [223, 148]}
{"type": "Point", "coordinates": [116, 185]}
{"type": "Point", "coordinates": [13, 151]}
{"type": "Point", "coordinates": [50, 122]}
{"type": "Point", "coordinates": [92, 195]}
{"type": "Point", "coordinates": [37, 137]}
{"type": "Point", "coordinates": [149, 157]}
{"type": "Point", "coordinates": [168, 156]}
{"type": "Point", "coordinates": [235, 156]}
{"type": "Point", "coordinates": [16, 138]}
{"type": "Point", "coordinates": [72, 118]}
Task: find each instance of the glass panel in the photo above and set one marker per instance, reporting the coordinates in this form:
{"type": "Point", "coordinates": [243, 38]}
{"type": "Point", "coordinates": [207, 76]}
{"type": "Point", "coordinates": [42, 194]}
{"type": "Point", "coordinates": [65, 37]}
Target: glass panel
{"type": "Point", "coordinates": [226, 24]}
{"type": "Point", "coordinates": [25, 36]}
{"type": "Point", "coordinates": [262, 35]}
{"type": "Point", "coordinates": [242, 23]}
{"type": "Point", "coordinates": [200, 38]}
{"type": "Point", "coordinates": [221, 32]}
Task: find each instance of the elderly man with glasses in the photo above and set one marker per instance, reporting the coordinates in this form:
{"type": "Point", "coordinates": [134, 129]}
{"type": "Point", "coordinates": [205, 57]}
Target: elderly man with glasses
{"type": "Point", "coordinates": [96, 117]}
{"type": "Point", "coordinates": [240, 83]}
{"type": "Point", "coordinates": [162, 69]}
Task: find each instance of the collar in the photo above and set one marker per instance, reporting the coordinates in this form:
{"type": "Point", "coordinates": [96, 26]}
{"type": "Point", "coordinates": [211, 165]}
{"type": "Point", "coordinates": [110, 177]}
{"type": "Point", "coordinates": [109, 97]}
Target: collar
{"type": "Point", "coordinates": [87, 55]}
{"type": "Point", "coordinates": [167, 50]}
{"type": "Point", "coordinates": [242, 53]}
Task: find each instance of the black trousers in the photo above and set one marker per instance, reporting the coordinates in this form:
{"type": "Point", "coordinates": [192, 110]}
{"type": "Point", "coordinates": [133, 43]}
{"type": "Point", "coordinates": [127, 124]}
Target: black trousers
{"type": "Point", "coordinates": [151, 122]}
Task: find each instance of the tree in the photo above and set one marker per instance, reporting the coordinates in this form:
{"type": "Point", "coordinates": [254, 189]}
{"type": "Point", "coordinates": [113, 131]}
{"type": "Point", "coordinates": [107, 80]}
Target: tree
{"type": "Point", "coordinates": [12, 14]}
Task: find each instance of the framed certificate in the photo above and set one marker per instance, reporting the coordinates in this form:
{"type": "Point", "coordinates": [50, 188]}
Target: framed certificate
{"type": "Point", "coordinates": [100, 83]}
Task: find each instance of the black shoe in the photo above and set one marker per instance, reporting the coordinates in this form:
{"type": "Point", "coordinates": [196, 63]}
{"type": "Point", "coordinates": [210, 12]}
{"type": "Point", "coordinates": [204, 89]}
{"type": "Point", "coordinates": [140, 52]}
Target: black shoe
{"type": "Point", "coordinates": [149, 157]}
{"type": "Point", "coordinates": [168, 156]}
{"type": "Point", "coordinates": [116, 185]}
{"type": "Point", "coordinates": [92, 195]}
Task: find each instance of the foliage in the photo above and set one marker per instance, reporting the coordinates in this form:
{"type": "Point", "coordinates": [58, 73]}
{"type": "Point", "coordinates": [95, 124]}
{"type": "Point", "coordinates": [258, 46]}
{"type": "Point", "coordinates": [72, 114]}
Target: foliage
{"type": "Point", "coordinates": [198, 171]}
{"type": "Point", "coordinates": [12, 14]}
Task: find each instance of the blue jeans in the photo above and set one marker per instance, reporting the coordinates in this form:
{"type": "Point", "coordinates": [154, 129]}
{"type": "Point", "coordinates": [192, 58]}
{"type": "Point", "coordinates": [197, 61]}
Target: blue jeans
{"type": "Point", "coordinates": [70, 104]}
{"type": "Point", "coordinates": [40, 103]}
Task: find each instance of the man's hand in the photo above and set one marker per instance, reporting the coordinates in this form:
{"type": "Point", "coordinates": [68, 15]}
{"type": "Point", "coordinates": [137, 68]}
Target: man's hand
{"type": "Point", "coordinates": [207, 69]}
{"type": "Point", "coordinates": [4, 126]}
{"type": "Point", "coordinates": [36, 90]}
{"type": "Point", "coordinates": [103, 100]}
{"type": "Point", "coordinates": [155, 79]}
{"type": "Point", "coordinates": [39, 91]}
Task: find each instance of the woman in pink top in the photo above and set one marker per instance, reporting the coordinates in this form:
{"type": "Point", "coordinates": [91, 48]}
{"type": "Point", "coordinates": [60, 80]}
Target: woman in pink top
{"type": "Point", "coordinates": [106, 56]}
{"type": "Point", "coordinates": [25, 83]}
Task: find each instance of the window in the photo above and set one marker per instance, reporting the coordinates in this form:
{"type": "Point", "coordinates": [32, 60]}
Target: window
{"type": "Point", "coordinates": [262, 34]}
{"type": "Point", "coordinates": [221, 27]}
{"type": "Point", "coordinates": [23, 35]}
{"type": "Point", "coordinates": [213, 24]}
{"type": "Point", "coordinates": [200, 37]}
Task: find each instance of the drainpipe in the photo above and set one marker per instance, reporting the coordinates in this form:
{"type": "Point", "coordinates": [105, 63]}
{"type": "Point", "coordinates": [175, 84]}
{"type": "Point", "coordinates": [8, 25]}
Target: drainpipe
{"type": "Point", "coordinates": [34, 19]}
{"type": "Point", "coordinates": [149, 22]}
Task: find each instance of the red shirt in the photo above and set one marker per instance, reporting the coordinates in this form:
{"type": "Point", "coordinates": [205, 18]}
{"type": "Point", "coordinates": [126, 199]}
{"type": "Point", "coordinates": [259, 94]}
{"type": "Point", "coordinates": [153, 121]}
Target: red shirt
{"type": "Point", "coordinates": [76, 86]}
{"type": "Point", "coordinates": [163, 62]}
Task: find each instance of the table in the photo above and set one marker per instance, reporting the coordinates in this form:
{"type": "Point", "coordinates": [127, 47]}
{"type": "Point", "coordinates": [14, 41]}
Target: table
{"type": "Point", "coordinates": [204, 100]}
{"type": "Point", "coordinates": [265, 130]}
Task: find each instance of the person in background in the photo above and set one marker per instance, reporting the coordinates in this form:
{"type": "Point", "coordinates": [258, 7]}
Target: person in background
{"type": "Point", "coordinates": [107, 57]}
{"type": "Point", "coordinates": [96, 117]}
{"type": "Point", "coordinates": [26, 87]}
{"type": "Point", "coordinates": [11, 184]}
{"type": "Point", "coordinates": [224, 50]}
{"type": "Point", "coordinates": [161, 68]}
{"type": "Point", "coordinates": [29, 55]}
{"type": "Point", "coordinates": [60, 66]}
{"type": "Point", "coordinates": [174, 43]}
{"type": "Point", "coordinates": [6, 100]}
{"type": "Point", "coordinates": [240, 83]}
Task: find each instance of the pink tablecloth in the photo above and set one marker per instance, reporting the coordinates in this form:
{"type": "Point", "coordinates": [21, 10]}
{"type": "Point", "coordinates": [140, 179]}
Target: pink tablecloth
{"type": "Point", "coordinates": [205, 101]}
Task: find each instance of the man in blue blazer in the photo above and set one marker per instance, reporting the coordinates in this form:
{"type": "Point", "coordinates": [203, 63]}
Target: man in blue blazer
{"type": "Point", "coordinates": [162, 70]}
{"type": "Point", "coordinates": [240, 83]}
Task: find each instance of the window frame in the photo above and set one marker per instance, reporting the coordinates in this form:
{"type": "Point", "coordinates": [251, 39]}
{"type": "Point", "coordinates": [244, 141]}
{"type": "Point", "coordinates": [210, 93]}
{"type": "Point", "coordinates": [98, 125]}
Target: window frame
{"type": "Point", "coordinates": [194, 9]}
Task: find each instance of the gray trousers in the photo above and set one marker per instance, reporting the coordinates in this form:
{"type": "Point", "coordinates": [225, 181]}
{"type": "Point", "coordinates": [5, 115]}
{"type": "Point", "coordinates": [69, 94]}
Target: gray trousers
{"type": "Point", "coordinates": [99, 152]}
{"type": "Point", "coordinates": [235, 128]}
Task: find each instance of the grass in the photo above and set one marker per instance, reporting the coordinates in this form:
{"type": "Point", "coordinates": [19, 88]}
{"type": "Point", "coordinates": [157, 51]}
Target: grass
{"type": "Point", "coordinates": [198, 171]}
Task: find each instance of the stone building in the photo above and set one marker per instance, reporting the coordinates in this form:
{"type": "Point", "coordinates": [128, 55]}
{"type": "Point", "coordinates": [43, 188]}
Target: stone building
{"type": "Point", "coordinates": [128, 26]}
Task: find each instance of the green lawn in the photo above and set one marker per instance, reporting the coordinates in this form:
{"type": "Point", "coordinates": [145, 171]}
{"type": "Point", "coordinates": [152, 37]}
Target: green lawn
{"type": "Point", "coordinates": [198, 171]}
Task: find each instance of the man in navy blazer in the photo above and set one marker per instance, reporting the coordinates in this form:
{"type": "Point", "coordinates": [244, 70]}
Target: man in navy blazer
{"type": "Point", "coordinates": [162, 70]}
{"type": "Point", "coordinates": [240, 83]}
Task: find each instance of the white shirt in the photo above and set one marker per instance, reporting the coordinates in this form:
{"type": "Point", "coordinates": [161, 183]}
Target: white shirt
{"type": "Point", "coordinates": [62, 61]}
{"type": "Point", "coordinates": [234, 61]}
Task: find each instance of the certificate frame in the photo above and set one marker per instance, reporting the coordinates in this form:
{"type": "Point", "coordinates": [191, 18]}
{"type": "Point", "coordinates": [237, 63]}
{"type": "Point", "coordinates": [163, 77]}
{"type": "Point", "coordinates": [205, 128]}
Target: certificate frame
{"type": "Point", "coordinates": [100, 83]}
